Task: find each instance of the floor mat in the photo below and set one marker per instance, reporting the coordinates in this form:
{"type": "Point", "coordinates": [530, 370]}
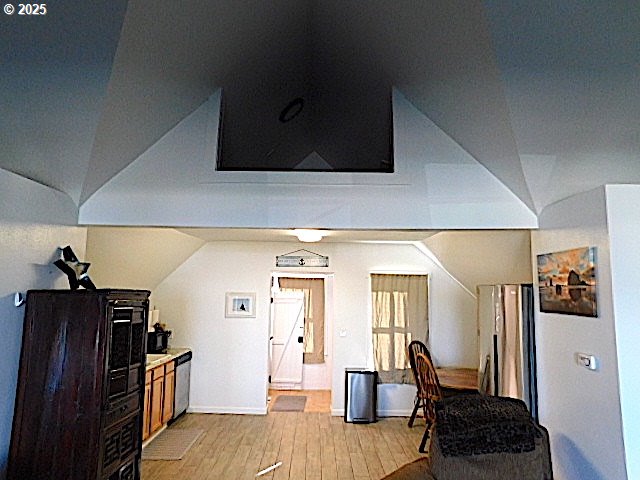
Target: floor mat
{"type": "Point", "coordinates": [289, 403]}
{"type": "Point", "coordinates": [171, 444]}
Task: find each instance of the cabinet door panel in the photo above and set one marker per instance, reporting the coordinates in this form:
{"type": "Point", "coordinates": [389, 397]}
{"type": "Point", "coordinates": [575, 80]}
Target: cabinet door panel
{"type": "Point", "coordinates": [146, 419]}
{"type": "Point", "coordinates": [169, 389]}
{"type": "Point", "coordinates": [157, 390]}
{"type": "Point", "coordinates": [119, 443]}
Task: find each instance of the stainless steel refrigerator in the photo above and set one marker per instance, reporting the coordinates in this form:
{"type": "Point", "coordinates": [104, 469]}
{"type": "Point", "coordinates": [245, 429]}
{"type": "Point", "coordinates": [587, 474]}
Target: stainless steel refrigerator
{"type": "Point", "coordinates": [506, 343]}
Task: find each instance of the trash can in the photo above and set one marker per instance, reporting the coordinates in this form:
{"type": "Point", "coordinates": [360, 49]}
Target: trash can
{"type": "Point", "coordinates": [360, 395]}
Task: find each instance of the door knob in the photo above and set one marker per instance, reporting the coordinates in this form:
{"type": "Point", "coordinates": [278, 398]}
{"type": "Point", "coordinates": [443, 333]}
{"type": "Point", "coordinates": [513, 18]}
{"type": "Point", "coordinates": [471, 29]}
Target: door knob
{"type": "Point", "coordinates": [300, 339]}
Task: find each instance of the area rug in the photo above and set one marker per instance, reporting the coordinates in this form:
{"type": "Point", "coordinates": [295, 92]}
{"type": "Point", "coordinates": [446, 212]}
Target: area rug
{"type": "Point", "coordinates": [289, 403]}
{"type": "Point", "coordinates": [171, 444]}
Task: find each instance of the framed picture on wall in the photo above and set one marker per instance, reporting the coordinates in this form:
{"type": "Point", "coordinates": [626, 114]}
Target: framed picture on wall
{"type": "Point", "coordinates": [567, 282]}
{"type": "Point", "coordinates": [240, 304]}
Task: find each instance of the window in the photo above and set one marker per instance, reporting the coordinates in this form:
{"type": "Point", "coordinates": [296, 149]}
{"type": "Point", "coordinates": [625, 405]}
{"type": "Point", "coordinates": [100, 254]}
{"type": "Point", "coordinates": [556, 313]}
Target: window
{"type": "Point", "coordinates": [400, 315]}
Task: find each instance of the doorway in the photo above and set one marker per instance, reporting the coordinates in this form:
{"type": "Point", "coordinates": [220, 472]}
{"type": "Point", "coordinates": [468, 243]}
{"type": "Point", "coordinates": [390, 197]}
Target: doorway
{"type": "Point", "coordinates": [315, 362]}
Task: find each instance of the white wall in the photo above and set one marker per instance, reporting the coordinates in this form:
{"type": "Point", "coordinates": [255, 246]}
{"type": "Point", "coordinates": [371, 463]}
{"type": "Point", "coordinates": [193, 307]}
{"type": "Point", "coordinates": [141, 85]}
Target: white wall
{"type": "Point", "coordinates": [452, 317]}
{"type": "Point", "coordinates": [435, 184]}
{"type": "Point", "coordinates": [484, 257]}
{"type": "Point", "coordinates": [580, 408]}
{"type": "Point", "coordinates": [624, 230]}
{"type": "Point", "coordinates": [136, 258]}
{"type": "Point", "coordinates": [230, 362]}
{"type": "Point", "coordinates": [27, 247]}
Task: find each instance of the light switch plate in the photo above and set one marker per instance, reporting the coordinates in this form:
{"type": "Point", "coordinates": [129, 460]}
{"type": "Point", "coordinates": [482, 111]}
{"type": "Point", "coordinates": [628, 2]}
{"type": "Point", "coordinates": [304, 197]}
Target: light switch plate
{"type": "Point", "coordinates": [586, 360]}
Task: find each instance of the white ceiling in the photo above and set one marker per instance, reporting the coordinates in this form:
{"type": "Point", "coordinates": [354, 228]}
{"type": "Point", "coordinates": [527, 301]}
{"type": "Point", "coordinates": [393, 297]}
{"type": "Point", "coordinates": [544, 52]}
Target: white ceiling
{"type": "Point", "coordinates": [284, 235]}
{"type": "Point", "coordinates": [543, 94]}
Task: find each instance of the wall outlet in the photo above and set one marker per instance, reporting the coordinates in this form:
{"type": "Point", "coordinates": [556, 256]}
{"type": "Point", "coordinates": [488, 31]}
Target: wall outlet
{"type": "Point", "coordinates": [586, 360]}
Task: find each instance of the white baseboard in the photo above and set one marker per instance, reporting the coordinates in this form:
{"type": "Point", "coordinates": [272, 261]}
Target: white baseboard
{"type": "Point", "coordinates": [285, 386]}
{"type": "Point", "coordinates": [339, 412]}
{"type": "Point", "coordinates": [231, 410]}
{"type": "Point", "coordinates": [336, 412]}
{"type": "Point", "coordinates": [394, 413]}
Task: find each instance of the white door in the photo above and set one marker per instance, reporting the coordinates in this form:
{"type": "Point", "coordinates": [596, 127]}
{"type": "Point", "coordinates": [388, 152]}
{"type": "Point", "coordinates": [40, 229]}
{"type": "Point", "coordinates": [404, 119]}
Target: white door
{"type": "Point", "coordinates": [287, 334]}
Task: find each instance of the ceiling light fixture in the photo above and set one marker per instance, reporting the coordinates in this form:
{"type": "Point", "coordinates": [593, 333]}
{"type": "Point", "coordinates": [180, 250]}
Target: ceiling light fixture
{"type": "Point", "coordinates": [308, 235]}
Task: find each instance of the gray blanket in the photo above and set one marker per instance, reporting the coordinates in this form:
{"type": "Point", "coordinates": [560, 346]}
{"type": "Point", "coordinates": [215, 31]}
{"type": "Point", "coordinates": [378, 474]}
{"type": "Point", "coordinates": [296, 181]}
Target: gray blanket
{"type": "Point", "coordinates": [475, 424]}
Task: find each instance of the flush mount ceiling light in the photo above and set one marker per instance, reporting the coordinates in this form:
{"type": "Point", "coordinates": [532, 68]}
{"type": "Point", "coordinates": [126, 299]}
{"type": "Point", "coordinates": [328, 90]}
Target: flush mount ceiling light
{"type": "Point", "coordinates": [308, 236]}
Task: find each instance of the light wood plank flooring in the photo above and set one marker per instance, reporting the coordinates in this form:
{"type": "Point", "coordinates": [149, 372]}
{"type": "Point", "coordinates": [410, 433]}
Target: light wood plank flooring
{"type": "Point", "coordinates": [311, 446]}
{"type": "Point", "coordinates": [318, 401]}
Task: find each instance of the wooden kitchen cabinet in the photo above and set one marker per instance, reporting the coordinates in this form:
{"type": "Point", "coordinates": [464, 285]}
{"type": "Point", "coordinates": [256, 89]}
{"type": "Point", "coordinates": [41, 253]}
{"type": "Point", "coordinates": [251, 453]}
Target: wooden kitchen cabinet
{"type": "Point", "coordinates": [169, 391]}
{"type": "Point", "coordinates": [161, 395]}
{"type": "Point", "coordinates": [157, 397]}
{"type": "Point", "coordinates": [146, 414]}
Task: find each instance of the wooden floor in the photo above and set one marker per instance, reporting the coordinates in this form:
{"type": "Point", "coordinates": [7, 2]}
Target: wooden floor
{"type": "Point", "coordinates": [318, 401]}
{"type": "Point", "coordinates": [310, 445]}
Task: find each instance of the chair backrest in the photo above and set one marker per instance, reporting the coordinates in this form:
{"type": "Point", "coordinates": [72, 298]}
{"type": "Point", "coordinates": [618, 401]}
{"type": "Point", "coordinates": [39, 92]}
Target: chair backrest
{"type": "Point", "coordinates": [429, 387]}
{"type": "Point", "coordinates": [415, 347]}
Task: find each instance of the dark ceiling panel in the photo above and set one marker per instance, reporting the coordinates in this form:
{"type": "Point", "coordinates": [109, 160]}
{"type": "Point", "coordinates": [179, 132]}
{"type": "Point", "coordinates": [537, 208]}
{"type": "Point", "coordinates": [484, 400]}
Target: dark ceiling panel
{"type": "Point", "coordinates": [316, 94]}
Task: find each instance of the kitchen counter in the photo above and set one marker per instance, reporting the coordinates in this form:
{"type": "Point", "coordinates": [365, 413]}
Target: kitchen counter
{"type": "Point", "coordinates": [176, 352]}
{"type": "Point", "coordinates": [157, 359]}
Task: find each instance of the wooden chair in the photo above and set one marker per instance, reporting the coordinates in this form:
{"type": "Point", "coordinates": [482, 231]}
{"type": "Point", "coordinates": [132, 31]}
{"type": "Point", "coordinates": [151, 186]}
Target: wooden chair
{"type": "Point", "coordinates": [415, 347]}
{"type": "Point", "coordinates": [429, 393]}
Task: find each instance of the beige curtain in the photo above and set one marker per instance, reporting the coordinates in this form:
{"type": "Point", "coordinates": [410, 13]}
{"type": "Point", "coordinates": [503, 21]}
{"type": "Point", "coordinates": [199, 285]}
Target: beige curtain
{"type": "Point", "coordinates": [400, 315]}
{"type": "Point", "coordinates": [313, 289]}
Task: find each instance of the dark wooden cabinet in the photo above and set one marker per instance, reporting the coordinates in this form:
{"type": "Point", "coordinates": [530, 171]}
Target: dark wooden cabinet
{"type": "Point", "coordinates": [78, 411]}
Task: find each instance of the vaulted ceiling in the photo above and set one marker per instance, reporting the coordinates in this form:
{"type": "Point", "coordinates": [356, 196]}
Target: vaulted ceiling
{"type": "Point", "coordinates": [543, 94]}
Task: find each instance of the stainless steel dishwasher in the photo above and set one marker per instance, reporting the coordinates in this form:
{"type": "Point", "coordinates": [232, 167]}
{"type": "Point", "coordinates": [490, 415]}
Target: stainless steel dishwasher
{"type": "Point", "coordinates": [183, 379]}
